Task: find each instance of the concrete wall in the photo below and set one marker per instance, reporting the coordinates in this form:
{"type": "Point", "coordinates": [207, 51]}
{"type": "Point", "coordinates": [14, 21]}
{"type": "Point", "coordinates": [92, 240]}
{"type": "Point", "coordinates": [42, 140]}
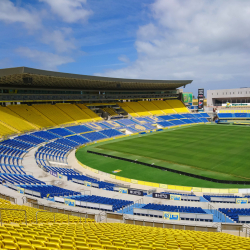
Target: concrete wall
{"type": "Point", "coordinates": [241, 95]}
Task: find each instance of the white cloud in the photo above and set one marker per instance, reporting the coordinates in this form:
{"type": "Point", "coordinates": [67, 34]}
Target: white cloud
{"type": "Point", "coordinates": [9, 13]}
{"type": "Point", "coordinates": [124, 58]}
{"type": "Point", "coordinates": [205, 40]}
{"type": "Point", "coordinates": [69, 10]}
{"type": "Point", "coordinates": [45, 59]}
{"type": "Point", "coordinates": [58, 39]}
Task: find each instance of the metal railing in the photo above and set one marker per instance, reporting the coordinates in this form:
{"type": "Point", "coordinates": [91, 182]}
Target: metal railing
{"type": "Point", "coordinates": [61, 211]}
{"type": "Point", "coordinates": [183, 226]}
{"type": "Point", "coordinates": [13, 210]}
{"type": "Point", "coordinates": [54, 215]}
{"type": "Point", "coordinates": [217, 213]}
{"type": "Point", "coordinates": [8, 198]}
{"type": "Point", "coordinates": [102, 216]}
{"type": "Point", "coordinates": [136, 203]}
{"type": "Point", "coordinates": [246, 228]}
{"type": "Point", "coordinates": [139, 202]}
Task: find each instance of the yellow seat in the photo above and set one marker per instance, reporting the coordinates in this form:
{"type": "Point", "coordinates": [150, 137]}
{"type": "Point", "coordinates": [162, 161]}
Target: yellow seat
{"type": "Point", "coordinates": [110, 247]}
{"type": "Point", "coordinates": [7, 237]}
{"type": "Point", "coordinates": [10, 245]}
{"type": "Point", "coordinates": [22, 240]}
{"type": "Point", "coordinates": [105, 242]}
{"type": "Point", "coordinates": [52, 245]}
{"type": "Point", "coordinates": [146, 247]}
{"type": "Point", "coordinates": [81, 248]}
{"type": "Point", "coordinates": [28, 237]}
{"type": "Point", "coordinates": [67, 238]}
{"type": "Point", "coordinates": [66, 241]}
{"type": "Point", "coordinates": [132, 245]}
{"type": "Point", "coordinates": [81, 244]}
{"type": "Point", "coordinates": [15, 234]}
{"type": "Point", "coordinates": [1, 245]}
{"type": "Point", "coordinates": [67, 246]}
{"type": "Point", "coordinates": [119, 244]}
{"type": "Point", "coordinates": [37, 243]}
{"type": "Point", "coordinates": [41, 248]}
{"type": "Point", "coordinates": [95, 245]}
{"type": "Point", "coordinates": [25, 246]}
{"type": "Point", "coordinates": [54, 240]}
{"type": "Point", "coordinates": [43, 234]}
{"type": "Point", "coordinates": [41, 238]}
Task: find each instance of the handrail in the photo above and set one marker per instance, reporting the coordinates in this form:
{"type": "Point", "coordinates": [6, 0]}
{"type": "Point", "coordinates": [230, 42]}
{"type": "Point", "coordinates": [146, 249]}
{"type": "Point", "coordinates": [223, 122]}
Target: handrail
{"type": "Point", "coordinates": [102, 213]}
{"type": "Point", "coordinates": [24, 198]}
{"type": "Point", "coordinates": [12, 210]}
{"type": "Point", "coordinates": [78, 213]}
{"type": "Point", "coordinates": [247, 228]}
{"type": "Point", "coordinates": [217, 212]}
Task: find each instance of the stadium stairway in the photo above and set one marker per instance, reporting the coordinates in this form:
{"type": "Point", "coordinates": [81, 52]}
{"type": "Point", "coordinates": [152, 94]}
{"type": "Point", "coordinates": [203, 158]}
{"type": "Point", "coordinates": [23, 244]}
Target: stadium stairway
{"type": "Point", "coordinates": [130, 209]}
{"type": "Point", "coordinates": [202, 199]}
{"type": "Point", "coordinates": [222, 218]}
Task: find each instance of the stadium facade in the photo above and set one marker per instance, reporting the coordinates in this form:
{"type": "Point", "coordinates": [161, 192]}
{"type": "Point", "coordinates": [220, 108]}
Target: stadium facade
{"type": "Point", "coordinates": [238, 97]}
{"type": "Point", "coordinates": [24, 85]}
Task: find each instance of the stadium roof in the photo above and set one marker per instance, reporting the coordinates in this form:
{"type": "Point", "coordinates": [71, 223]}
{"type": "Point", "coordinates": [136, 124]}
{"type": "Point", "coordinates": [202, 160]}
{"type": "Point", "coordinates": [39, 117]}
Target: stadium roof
{"type": "Point", "coordinates": [23, 77]}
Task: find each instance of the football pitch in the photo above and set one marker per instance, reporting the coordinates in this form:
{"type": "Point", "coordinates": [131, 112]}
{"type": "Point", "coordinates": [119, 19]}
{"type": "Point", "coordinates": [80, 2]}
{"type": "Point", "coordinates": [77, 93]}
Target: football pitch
{"type": "Point", "coordinates": [213, 151]}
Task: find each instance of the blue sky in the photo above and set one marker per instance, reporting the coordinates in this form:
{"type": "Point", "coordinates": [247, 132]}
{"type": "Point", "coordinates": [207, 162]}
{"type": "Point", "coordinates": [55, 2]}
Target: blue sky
{"type": "Point", "coordinates": [206, 41]}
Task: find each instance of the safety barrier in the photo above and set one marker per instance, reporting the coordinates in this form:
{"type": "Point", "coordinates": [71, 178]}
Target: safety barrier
{"type": "Point", "coordinates": [35, 204]}
{"type": "Point", "coordinates": [182, 215]}
{"type": "Point", "coordinates": [170, 226]}
{"type": "Point", "coordinates": [13, 210]}
{"type": "Point", "coordinates": [8, 198]}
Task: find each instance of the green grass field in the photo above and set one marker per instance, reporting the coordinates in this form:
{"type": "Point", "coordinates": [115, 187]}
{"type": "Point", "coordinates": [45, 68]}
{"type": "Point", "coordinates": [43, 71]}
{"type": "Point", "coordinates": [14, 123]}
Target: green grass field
{"type": "Point", "coordinates": [215, 151]}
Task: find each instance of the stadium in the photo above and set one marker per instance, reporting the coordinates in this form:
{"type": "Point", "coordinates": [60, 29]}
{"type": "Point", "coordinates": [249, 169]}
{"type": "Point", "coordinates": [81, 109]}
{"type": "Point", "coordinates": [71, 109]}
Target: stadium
{"type": "Point", "coordinates": [93, 162]}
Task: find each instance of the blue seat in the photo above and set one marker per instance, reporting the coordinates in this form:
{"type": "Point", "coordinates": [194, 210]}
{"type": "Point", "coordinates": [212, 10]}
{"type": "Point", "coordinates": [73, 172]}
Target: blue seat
{"type": "Point", "coordinates": [50, 190]}
{"type": "Point", "coordinates": [169, 208]}
{"type": "Point", "coordinates": [30, 139]}
{"type": "Point", "coordinates": [234, 213]}
{"type": "Point", "coordinates": [165, 124]}
{"type": "Point", "coordinates": [126, 122]}
{"type": "Point", "coordinates": [45, 135]}
{"type": "Point", "coordinates": [94, 136]}
{"type": "Point", "coordinates": [79, 129]}
{"type": "Point", "coordinates": [61, 131]}
{"type": "Point", "coordinates": [116, 203]}
{"type": "Point", "coordinates": [111, 132]}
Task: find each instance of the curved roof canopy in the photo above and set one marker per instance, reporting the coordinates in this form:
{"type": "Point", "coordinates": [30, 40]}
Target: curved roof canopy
{"type": "Point", "coordinates": [23, 77]}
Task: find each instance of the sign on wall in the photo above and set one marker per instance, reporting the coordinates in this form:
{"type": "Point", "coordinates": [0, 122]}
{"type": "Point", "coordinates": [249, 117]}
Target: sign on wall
{"type": "Point", "coordinates": [87, 183]}
{"type": "Point", "coordinates": [241, 200]}
{"type": "Point", "coordinates": [20, 190]}
{"type": "Point", "coordinates": [171, 216]}
{"type": "Point", "coordinates": [175, 197]}
{"type": "Point", "coordinates": [70, 202]}
{"type": "Point", "coordinates": [59, 176]}
{"type": "Point", "coordinates": [161, 196]}
{"type": "Point", "coordinates": [123, 190]}
{"type": "Point", "coordinates": [135, 192]}
{"type": "Point", "coordinates": [53, 173]}
{"type": "Point", "coordinates": [187, 98]}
